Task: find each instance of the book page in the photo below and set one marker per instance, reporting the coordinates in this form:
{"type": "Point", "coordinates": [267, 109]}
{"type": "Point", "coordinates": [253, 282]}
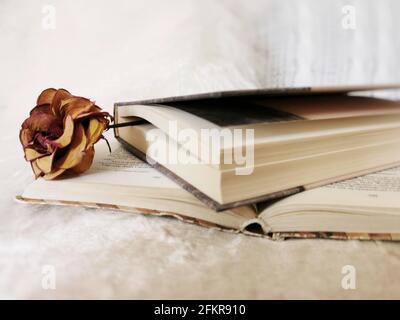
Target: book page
{"type": "Point", "coordinates": [122, 168]}
{"type": "Point", "coordinates": [384, 181]}
{"type": "Point", "coordinates": [377, 193]}
{"type": "Point", "coordinates": [331, 106]}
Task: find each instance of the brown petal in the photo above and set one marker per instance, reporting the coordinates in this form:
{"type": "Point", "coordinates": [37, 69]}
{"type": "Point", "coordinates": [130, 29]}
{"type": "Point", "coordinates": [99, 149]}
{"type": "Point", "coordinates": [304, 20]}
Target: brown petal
{"type": "Point", "coordinates": [94, 131]}
{"type": "Point", "coordinates": [98, 114]}
{"type": "Point", "coordinates": [32, 154]}
{"type": "Point", "coordinates": [40, 122]}
{"type": "Point", "coordinates": [46, 96]}
{"type": "Point", "coordinates": [45, 164]}
{"type": "Point", "coordinates": [53, 175]}
{"type": "Point", "coordinates": [60, 95]}
{"type": "Point", "coordinates": [26, 136]}
{"type": "Point", "coordinates": [66, 137]}
{"type": "Point", "coordinates": [36, 170]}
{"type": "Point", "coordinates": [76, 106]}
{"type": "Point", "coordinates": [74, 154]}
{"type": "Point", "coordinates": [86, 161]}
{"type": "Point", "coordinates": [41, 108]}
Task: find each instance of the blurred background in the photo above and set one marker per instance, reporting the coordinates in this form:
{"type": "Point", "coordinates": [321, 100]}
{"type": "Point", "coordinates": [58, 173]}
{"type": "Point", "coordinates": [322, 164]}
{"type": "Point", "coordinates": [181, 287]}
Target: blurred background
{"type": "Point", "coordinates": [128, 50]}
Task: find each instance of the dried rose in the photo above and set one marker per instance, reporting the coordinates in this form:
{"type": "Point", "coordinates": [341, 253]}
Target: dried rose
{"type": "Point", "coordinates": [59, 135]}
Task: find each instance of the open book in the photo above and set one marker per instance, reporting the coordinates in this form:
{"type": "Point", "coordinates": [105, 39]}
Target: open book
{"type": "Point", "coordinates": [363, 208]}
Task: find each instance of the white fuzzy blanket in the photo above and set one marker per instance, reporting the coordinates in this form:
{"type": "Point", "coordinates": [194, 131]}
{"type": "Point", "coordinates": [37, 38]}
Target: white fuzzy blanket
{"type": "Point", "coordinates": [131, 50]}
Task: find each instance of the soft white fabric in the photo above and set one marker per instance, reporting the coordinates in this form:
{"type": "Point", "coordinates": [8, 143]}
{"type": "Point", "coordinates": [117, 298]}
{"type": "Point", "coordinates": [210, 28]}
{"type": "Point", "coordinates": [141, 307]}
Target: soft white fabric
{"type": "Point", "coordinates": [140, 49]}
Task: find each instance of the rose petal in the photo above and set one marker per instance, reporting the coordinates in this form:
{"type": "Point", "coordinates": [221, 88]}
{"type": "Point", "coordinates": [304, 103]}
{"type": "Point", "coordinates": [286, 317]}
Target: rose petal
{"type": "Point", "coordinates": [53, 175]}
{"type": "Point", "coordinates": [98, 114]}
{"type": "Point", "coordinates": [60, 95]}
{"type": "Point", "coordinates": [41, 108]}
{"type": "Point", "coordinates": [46, 96]}
{"type": "Point", "coordinates": [35, 145]}
{"type": "Point", "coordinates": [40, 122]}
{"type": "Point", "coordinates": [32, 154]}
{"type": "Point", "coordinates": [94, 131]}
{"type": "Point", "coordinates": [26, 136]}
{"type": "Point", "coordinates": [76, 106]}
{"type": "Point", "coordinates": [45, 164]}
{"type": "Point", "coordinates": [74, 154]}
{"type": "Point", "coordinates": [86, 161]}
{"type": "Point", "coordinates": [36, 170]}
{"type": "Point", "coordinates": [66, 137]}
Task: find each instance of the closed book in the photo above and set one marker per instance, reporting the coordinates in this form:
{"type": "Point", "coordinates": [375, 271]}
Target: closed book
{"type": "Point", "coordinates": [231, 149]}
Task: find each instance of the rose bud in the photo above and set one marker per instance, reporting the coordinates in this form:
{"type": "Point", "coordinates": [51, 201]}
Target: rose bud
{"type": "Point", "coordinates": [60, 133]}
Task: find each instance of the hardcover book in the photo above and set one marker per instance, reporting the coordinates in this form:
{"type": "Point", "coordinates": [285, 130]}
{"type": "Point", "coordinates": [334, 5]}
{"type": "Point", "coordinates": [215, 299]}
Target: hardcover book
{"type": "Point", "coordinates": [298, 141]}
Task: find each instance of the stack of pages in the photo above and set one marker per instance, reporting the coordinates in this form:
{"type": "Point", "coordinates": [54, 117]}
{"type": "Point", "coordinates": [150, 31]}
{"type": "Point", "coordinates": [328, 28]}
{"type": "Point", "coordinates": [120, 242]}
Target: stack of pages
{"type": "Point", "coordinates": [287, 165]}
